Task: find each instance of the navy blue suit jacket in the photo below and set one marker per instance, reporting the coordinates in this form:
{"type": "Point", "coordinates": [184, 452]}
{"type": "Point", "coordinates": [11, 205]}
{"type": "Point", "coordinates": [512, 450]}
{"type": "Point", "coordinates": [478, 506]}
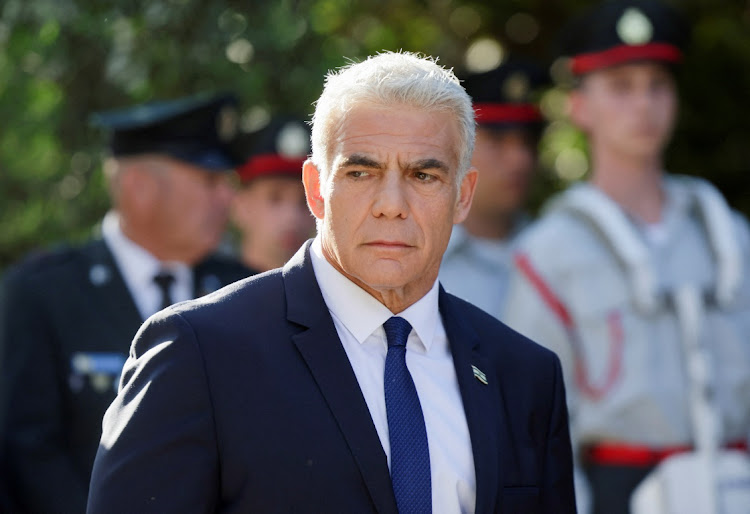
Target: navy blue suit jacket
{"type": "Point", "coordinates": [245, 401]}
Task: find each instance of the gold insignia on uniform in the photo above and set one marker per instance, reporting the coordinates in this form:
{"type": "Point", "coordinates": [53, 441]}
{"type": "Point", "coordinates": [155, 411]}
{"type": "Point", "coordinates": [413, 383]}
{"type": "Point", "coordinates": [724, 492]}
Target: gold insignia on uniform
{"type": "Point", "coordinates": [634, 27]}
{"type": "Point", "coordinates": [293, 140]}
{"type": "Point", "coordinates": [479, 374]}
{"type": "Point", "coordinates": [227, 121]}
{"type": "Point", "coordinates": [516, 86]}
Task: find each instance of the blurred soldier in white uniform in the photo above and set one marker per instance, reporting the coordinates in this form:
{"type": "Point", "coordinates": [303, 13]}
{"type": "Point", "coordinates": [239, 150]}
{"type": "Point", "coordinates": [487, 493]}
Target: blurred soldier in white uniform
{"type": "Point", "coordinates": [477, 262]}
{"type": "Point", "coordinates": [600, 278]}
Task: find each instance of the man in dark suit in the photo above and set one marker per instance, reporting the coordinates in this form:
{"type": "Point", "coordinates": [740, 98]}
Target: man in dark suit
{"type": "Point", "coordinates": [68, 315]}
{"type": "Point", "coordinates": [348, 380]}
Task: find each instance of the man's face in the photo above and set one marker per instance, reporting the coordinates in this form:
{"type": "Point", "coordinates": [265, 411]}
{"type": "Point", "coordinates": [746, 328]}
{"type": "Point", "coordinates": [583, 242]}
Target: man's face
{"type": "Point", "coordinates": [272, 214]}
{"type": "Point", "coordinates": [505, 160]}
{"type": "Point", "coordinates": [628, 110]}
{"type": "Point", "coordinates": [192, 208]}
{"type": "Point", "coordinates": [391, 198]}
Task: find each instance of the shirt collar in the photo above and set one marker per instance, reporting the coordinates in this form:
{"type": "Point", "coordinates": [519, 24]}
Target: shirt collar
{"type": "Point", "coordinates": [360, 312]}
{"type": "Point", "coordinates": [134, 261]}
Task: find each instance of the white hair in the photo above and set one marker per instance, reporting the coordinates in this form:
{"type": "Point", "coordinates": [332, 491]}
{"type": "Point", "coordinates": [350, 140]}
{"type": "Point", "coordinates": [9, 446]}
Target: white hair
{"type": "Point", "coordinates": [391, 79]}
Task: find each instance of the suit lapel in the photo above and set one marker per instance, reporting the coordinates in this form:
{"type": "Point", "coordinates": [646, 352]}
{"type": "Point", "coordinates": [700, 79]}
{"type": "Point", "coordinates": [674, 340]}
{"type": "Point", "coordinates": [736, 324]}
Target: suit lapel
{"type": "Point", "coordinates": [481, 401]}
{"type": "Point", "coordinates": [110, 294]}
{"type": "Point", "coordinates": [321, 349]}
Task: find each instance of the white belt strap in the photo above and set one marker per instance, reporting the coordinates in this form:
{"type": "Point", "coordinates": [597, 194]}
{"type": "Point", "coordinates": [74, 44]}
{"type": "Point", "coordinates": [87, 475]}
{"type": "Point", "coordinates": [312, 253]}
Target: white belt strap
{"type": "Point", "coordinates": [619, 233]}
{"type": "Point", "coordinates": [717, 218]}
{"type": "Point", "coordinates": [705, 417]}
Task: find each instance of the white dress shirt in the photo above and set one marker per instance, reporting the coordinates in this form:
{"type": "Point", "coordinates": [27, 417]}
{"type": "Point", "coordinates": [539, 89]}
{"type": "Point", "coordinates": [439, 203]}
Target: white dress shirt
{"type": "Point", "coordinates": [358, 318]}
{"type": "Point", "coordinates": [138, 268]}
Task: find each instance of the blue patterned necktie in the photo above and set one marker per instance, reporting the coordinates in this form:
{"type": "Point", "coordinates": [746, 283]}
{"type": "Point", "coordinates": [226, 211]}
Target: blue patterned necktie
{"type": "Point", "coordinates": [410, 456]}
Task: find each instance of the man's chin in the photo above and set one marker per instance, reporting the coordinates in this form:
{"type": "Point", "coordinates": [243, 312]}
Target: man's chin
{"type": "Point", "coordinates": [379, 276]}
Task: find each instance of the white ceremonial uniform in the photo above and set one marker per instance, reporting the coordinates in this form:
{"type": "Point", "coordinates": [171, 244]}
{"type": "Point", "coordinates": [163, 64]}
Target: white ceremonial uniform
{"type": "Point", "coordinates": [477, 269]}
{"type": "Point", "coordinates": [591, 284]}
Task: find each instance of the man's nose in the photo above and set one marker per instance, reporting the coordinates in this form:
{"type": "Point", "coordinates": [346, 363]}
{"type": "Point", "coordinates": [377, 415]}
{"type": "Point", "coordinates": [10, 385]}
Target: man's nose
{"type": "Point", "coordinates": [390, 197]}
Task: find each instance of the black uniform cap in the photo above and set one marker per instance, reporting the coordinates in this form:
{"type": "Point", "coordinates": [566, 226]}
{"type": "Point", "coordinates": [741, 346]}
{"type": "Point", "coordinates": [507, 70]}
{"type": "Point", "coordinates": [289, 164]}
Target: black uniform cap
{"type": "Point", "coordinates": [278, 149]}
{"type": "Point", "coordinates": [617, 32]}
{"type": "Point", "coordinates": [198, 129]}
{"type": "Point", "coordinates": [505, 97]}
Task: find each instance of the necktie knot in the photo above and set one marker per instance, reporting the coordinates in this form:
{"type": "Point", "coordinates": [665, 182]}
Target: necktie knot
{"type": "Point", "coordinates": [397, 331]}
{"type": "Point", "coordinates": [164, 281]}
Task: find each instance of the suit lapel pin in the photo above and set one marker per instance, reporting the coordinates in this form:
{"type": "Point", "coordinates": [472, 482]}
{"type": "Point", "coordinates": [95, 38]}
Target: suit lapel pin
{"type": "Point", "coordinates": [479, 374]}
{"type": "Point", "coordinates": [99, 274]}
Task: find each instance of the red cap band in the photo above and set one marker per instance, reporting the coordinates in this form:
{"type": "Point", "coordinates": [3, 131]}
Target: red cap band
{"type": "Point", "coordinates": [585, 63]}
{"type": "Point", "coordinates": [270, 164]}
{"type": "Point", "coordinates": [506, 113]}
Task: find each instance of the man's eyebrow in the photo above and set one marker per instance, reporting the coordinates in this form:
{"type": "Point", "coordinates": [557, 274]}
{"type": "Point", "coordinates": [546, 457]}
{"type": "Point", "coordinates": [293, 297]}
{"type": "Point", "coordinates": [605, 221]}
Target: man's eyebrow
{"type": "Point", "coordinates": [429, 164]}
{"type": "Point", "coordinates": [359, 160]}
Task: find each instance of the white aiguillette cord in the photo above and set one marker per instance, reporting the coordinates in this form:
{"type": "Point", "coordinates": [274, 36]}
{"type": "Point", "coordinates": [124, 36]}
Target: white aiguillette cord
{"type": "Point", "coordinates": [706, 421]}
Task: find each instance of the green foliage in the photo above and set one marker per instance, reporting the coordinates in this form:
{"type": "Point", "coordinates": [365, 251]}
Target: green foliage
{"type": "Point", "coordinates": [60, 60]}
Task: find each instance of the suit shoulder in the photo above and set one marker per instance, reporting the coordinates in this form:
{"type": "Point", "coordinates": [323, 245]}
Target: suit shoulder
{"type": "Point", "coordinates": [497, 337]}
{"type": "Point", "coordinates": [256, 291]}
{"type": "Point", "coordinates": [46, 263]}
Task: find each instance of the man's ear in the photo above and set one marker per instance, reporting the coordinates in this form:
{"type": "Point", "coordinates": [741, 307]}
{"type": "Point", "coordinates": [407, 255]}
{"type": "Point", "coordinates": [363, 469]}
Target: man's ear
{"type": "Point", "coordinates": [311, 181]}
{"type": "Point", "coordinates": [465, 195]}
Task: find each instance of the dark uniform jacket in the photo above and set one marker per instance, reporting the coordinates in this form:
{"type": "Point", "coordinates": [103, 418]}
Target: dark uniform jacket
{"type": "Point", "coordinates": [66, 324]}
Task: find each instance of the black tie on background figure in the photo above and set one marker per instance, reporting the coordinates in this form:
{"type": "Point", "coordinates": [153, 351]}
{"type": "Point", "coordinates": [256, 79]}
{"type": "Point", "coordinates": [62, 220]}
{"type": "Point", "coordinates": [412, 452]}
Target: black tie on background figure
{"type": "Point", "coordinates": [410, 455]}
{"type": "Point", "coordinates": [164, 280]}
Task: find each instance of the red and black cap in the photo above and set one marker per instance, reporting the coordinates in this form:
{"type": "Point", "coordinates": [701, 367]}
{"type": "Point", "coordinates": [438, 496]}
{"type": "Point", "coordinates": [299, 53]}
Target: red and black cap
{"type": "Point", "coordinates": [618, 32]}
{"type": "Point", "coordinates": [504, 97]}
{"type": "Point", "coordinates": [278, 149]}
{"type": "Point", "coordinates": [198, 129]}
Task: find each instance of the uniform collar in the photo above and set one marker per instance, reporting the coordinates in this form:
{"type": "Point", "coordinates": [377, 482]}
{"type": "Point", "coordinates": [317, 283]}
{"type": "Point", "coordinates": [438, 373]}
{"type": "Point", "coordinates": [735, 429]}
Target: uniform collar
{"type": "Point", "coordinates": [138, 265]}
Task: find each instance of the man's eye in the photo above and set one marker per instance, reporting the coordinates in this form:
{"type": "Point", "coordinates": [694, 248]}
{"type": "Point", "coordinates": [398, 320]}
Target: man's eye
{"type": "Point", "coordinates": [422, 176]}
{"type": "Point", "coordinates": [356, 173]}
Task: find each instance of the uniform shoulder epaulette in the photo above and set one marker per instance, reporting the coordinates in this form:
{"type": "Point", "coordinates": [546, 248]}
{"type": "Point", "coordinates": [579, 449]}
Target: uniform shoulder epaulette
{"type": "Point", "coordinates": [42, 259]}
{"type": "Point", "coordinates": [718, 221]}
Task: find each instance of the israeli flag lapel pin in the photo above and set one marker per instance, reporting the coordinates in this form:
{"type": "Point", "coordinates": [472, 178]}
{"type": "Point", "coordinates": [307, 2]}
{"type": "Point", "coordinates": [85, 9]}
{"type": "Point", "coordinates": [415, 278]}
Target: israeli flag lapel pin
{"type": "Point", "coordinates": [479, 374]}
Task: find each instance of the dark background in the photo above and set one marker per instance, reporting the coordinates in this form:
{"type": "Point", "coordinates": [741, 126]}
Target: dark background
{"type": "Point", "coordinates": [62, 59]}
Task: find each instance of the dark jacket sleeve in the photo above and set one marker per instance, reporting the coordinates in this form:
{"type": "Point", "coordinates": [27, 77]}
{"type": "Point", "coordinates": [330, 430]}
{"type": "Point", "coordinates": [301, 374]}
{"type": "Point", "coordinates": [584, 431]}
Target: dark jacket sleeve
{"type": "Point", "coordinates": [158, 448]}
{"type": "Point", "coordinates": [36, 458]}
{"type": "Point", "coordinates": [559, 495]}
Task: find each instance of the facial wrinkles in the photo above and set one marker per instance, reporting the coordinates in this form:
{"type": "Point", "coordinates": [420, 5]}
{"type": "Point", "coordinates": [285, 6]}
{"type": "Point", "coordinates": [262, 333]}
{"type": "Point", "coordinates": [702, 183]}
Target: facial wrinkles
{"type": "Point", "coordinates": [392, 139]}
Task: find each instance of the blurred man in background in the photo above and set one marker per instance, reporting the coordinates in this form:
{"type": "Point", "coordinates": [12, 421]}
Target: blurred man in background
{"type": "Point", "coordinates": [69, 315]}
{"type": "Point", "coordinates": [477, 262]}
{"type": "Point", "coordinates": [631, 276]}
{"type": "Point", "coordinates": [269, 210]}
